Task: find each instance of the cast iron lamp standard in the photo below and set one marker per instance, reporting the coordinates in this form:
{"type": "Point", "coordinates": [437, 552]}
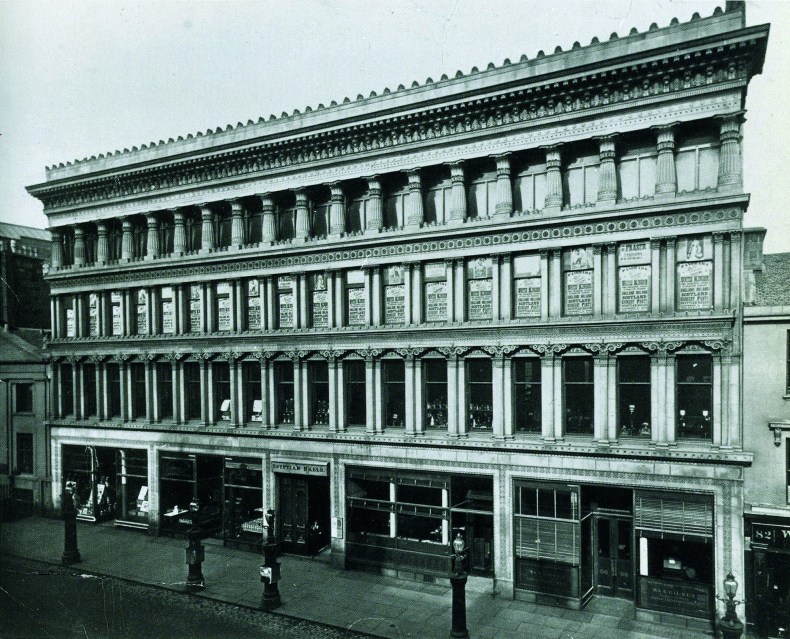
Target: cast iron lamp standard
{"type": "Point", "coordinates": [270, 571]}
{"type": "Point", "coordinates": [730, 626]}
{"type": "Point", "coordinates": [458, 582]}
{"type": "Point", "coordinates": [71, 555]}
{"type": "Point", "coordinates": [195, 551]}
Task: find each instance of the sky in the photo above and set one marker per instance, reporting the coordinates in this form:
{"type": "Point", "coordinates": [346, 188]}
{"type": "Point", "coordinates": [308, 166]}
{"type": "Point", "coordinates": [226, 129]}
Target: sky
{"type": "Point", "coordinates": [81, 78]}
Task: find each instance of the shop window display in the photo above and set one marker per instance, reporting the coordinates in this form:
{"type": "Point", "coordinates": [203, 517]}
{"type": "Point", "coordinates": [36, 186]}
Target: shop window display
{"type": "Point", "coordinates": [633, 392]}
{"type": "Point", "coordinates": [88, 472]}
{"type": "Point", "coordinates": [243, 512]}
{"type": "Point", "coordinates": [527, 396]}
{"type": "Point", "coordinates": [694, 397]}
{"type": "Point", "coordinates": [182, 478]}
{"type": "Point", "coordinates": [480, 393]}
{"type": "Point", "coordinates": [434, 372]}
{"type": "Point", "coordinates": [393, 377]}
{"type": "Point", "coordinates": [578, 395]}
{"type": "Point", "coordinates": [131, 488]}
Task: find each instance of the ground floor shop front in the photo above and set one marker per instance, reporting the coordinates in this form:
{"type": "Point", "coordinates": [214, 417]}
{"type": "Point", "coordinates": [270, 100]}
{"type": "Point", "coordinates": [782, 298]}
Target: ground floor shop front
{"type": "Point", "coordinates": [768, 574]}
{"type": "Point", "coordinates": [548, 527]}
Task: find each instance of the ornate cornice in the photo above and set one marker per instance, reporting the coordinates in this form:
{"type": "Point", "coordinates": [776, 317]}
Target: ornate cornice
{"type": "Point", "coordinates": [710, 70]}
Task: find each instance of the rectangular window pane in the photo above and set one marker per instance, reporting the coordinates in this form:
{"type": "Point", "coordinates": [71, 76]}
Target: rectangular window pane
{"type": "Point", "coordinates": [89, 389]}
{"type": "Point", "coordinates": [139, 403]}
{"type": "Point", "coordinates": [141, 313]}
{"type": "Point", "coordinates": [251, 375]}
{"type": "Point", "coordinates": [318, 375]}
{"type": "Point", "coordinates": [195, 308]}
{"type": "Point", "coordinates": [24, 453]}
{"type": "Point", "coordinates": [221, 372]}
{"type": "Point", "coordinates": [223, 306]}
{"type": "Point", "coordinates": [167, 310]}
{"type": "Point", "coordinates": [578, 395]}
{"type": "Point", "coordinates": [284, 389]}
{"type": "Point", "coordinates": [354, 376]}
{"type": "Point", "coordinates": [480, 393]}
{"type": "Point", "coordinates": [393, 376]}
{"type": "Point", "coordinates": [193, 391]}
{"type": "Point", "coordinates": [527, 395]}
{"type": "Point", "coordinates": [164, 381]}
{"type": "Point", "coordinates": [435, 375]}
{"type": "Point", "coordinates": [113, 390]}
{"type": "Point", "coordinates": [633, 379]}
{"type": "Point", "coordinates": [23, 400]}
{"type": "Point", "coordinates": [67, 389]}
{"type": "Point", "coordinates": [694, 397]}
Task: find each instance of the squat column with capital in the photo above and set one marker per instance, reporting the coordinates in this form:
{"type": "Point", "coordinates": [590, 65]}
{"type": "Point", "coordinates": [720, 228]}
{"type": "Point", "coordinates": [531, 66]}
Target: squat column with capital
{"type": "Point", "coordinates": [179, 234]}
{"type": "Point", "coordinates": [56, 259]}
{"type": "Point", "coordinates": [302, 224]}
{"type": "Point", "coordinates": [457, 193]}
{"type": "Point", "coordinates": [236, 224]}
{"type": "Point", "coordinates": [152, 243]}
{"type": "Point", "coordinates": [337, 210]}
{"type": "Point", "coordinates": [504, 191]}
{"type": "Point", "coordinates": [553, 178]}
{"type": "Point", "coordinates": [207, 228]}
{"type": "Point", "coordinates": [666, 178]}
{"type": "Point", "coordinates": [375, 217]}
{"type": "Point", "coordinates": [607, 175]}
{"type": "Point", "coordinates": [126, 240]}
{"type": "Point", "coordinates": [79, 246]}
{"type": "Point", "coordinates": [101, 244]}
{"type": "Point", "coordinates": [269, 232]}
{"type": "Point", "coordinates": [415, 214]}
{"type": "Point", "coordinates": [730, 167]}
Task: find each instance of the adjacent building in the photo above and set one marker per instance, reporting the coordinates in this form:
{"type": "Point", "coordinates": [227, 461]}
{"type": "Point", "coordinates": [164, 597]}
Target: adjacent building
{"type": "Point", "coordinates": [24, 293]}
{"type": "Point", "coordinates": [504, 304]}
{"type": "Point", "coordinates": [766, 391]}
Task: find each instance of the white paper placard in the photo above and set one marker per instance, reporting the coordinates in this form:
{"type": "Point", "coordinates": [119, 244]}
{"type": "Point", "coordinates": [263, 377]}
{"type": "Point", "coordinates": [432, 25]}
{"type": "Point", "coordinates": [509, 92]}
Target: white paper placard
{"type": "Point", "coordinates": [578, 293]}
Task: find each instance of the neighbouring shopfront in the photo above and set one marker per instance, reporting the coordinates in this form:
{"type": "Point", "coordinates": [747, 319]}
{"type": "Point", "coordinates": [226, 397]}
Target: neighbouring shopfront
{"type": "Point", "coordinates": [768, 576]}
{"type": "Point", "coordinates": [303, 505]}
{"type": "Point", "coordinates": [108, 483]}
{"type": "Point", "coordinates": [653, 548]}
{"type": "Point", "coordinates": [404, 520]}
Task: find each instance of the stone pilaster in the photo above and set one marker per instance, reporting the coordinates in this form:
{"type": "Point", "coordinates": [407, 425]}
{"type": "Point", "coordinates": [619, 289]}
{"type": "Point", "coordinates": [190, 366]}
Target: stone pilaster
{"type": "Point", "coordinates": [126, 239]}
{"type": "Point", "coordinates": [504, 188]}
{"type": "Point", "coordinates": [179, 233]}
{"type": "Point", "coordinates": [666, 177]}
{"type": "Point", "coordinates": [207, 241]}
{"type": "Point", "coordinates": [600, 422]}
{"type": "Point", "coordinates": [607, 174]}
{"type": "Point", "coordinates": [101, 243]}
{"type": "Point", "coordinates": [547, 396]}
{"type": "Point", "coordinates": [499, 389]}
{"type": "Point", "coordinates": [79, 246]}
{"type": "Point", "coordinates": [655, 276]}
{"type": "Point", "coordinates": [730, 166]}
{"type": "Point", "coordinates": [269, 230]}
{"type": "Point", "coordinates": [236, 224]}
{"type": "Point", "coordinates": [457, 194]}
{"type": "Point", "coordinates": [554, 195]}
{"type": "Point", "coordinates": [718, 271]}
{"type": "Point", "coordinates": [152, 242]}
{"type": "Point", "coordinates": [337, 210]}
{"type": "Point", "coordinates": [375, 216]}
{"type": "Point", "coordinates": [302, 222]}
{"type": "Point", "coordinates": [610, 285]}
{"type": "Point", "coordinates": [415, 215]}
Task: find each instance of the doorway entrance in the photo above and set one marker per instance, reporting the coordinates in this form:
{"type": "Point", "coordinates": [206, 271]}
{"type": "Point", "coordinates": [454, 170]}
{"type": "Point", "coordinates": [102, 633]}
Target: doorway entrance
{"type": "Point", "coordinates": [304, 513]}
{"type": "Point", "coordinates": [614, 555]}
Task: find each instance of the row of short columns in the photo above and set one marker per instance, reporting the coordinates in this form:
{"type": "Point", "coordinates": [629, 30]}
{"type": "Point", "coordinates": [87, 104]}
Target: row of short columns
{"type": "Point", "coordinates": [729, 177]}
{"type": "Point", "coordinates": [726, 378]}
{"type": "Point", "coordinates": [726, 292]}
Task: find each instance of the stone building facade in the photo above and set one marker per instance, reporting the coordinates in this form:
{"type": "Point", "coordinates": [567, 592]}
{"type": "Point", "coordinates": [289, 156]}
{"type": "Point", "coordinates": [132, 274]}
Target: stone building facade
{"type": "Point", "coordinates": [504, 305]}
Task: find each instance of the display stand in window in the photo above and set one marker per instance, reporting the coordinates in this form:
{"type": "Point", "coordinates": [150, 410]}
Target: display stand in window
{"type": "Point", "coordinates": [243, 512]}
{"type": "Point", "coordinates": [285, 301]}
{"type": "Point", "coordinates": [284, 391]}
{"type": "Point", "coordinates": [694, 273]}
{"type": "Point", "coordinates": [526, 285]}
{"type": "Point", "coordinates": [394, 295]}
{"type": "Point", "coordinates": [184, 477]}
{"type": "Point", "coordinates": [694, 397]}
{"type": "Point", "coordinates": [318, 377]}
{"type": "Point", "coordinates": [319, 302]}
{"type": "Point", "coordinates": [435, 292]}
{"type": "Point", "coordinates": [527, 394]}
{"type": "Point", "coordinates": [577, 266]}
{"type": "Point", "coordinates": [393, 377]}
{"type": "Point", "coordinates": [634, 275]}
{"type": "Point", "coordinates": [88, 471]}
{"type": "Point", "coordinates": [578, 398]}
{"type": "Point", "coordinates": [479, 289]}
{"type": "Point", "coordinates": [633, 391]}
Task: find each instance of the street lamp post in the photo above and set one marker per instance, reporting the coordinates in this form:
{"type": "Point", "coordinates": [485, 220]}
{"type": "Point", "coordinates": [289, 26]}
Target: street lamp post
{"type": "Point", "coordinates": [270, 571]}
{"type": "Point", "coordinates": [458, 582]}
{"type": "Point", "coordinates": [71, 554]}
{"type": "Point", "coordinates": [195, 551]}
{"type": "Point", "coordinates": [730, 626]}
